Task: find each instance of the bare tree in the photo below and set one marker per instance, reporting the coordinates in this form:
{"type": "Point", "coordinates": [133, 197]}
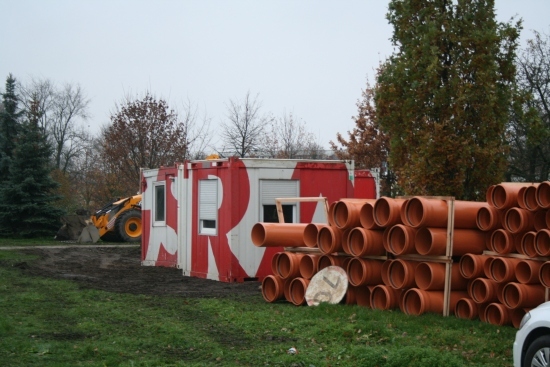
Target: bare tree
{"type": "Point", "coordinates": [314, 150]}
{"type": "Point", "coordinates": [91, 177]}
{"type": "Point", "coordinates": [289, 139]}
{"type": "Point", "coordinates": [529, 125]}
{"type": "Point", "coordinates": [61, 111]}
{"type": "Point", "coordinates": [242, 133]}
{"type": "Point", "coordinates": [70, 104]}
{"type": "Point", "coordinates": [45, 92]}
{"type": "Point", "coordinates": [197, 130]}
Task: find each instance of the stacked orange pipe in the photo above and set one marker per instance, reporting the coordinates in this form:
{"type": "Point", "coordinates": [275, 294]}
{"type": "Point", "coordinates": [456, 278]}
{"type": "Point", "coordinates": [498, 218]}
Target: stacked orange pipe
{"type": "Point", "coordinates": [372, 241]}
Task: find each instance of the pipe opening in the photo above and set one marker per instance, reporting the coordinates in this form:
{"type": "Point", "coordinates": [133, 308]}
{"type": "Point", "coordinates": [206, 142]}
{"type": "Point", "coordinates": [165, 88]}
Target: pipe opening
{"type": "Point", "coordinates": [258, 234]}
{"type": "Point", "coordinates": [341, 214]}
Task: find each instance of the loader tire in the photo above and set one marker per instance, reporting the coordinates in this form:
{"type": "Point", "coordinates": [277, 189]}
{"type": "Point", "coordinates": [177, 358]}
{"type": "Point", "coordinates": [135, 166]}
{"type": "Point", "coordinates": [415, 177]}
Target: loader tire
{"type": "Point", "coordinates": [128, 226]}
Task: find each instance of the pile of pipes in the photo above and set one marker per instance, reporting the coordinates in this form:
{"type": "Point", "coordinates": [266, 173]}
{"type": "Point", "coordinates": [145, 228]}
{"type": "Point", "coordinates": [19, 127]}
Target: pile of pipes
{"type": "Point", "coordinates": [398, 253]}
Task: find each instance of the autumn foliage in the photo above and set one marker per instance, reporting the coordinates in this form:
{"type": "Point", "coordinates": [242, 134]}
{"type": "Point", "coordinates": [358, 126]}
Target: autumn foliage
{"type": "Point", "coordinates": [367, 145]}
{"type": "Point", "coordinates": [143, 133]}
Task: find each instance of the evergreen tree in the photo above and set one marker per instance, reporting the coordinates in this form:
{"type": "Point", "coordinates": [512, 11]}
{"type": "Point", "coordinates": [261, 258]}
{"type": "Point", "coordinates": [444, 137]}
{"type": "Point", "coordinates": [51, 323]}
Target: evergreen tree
{"type": "Point", "coordinates": [443, 97]}
{"type": "Point", "coordinates": [9, 125]}
{"type": "Point", "coordinates": [26, 197]}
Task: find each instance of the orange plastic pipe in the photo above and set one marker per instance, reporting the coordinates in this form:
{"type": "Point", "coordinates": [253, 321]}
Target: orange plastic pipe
{"type": "Point", "coordinates": [489, 195]}
{"type": "Point", "coordinates": [331, 213]}
{"type": "Point", "coordinates": [386, 239]}
{"type": "Point", "coordinates": [311, 231]}
{"type": "Point", "coordinates": [329, 239]}
{"type": "Point", "coordinates": [488, 241]}
{"type": "Point", "coordinates": [364, 271]}
{"type": "Point", "coordinates": [489, 218]}
{"type": "Point", "coordinates": [344, 241]}
{"type": "Point", "coordinates": [278, 234]}
{"type": "Point", "coordinates": [516, 295]}
{"type": "Point", "coordinates": [471, 265]}
{"type": "Point", "coordinates": [274, 264]}
{"type": "Point", "coordinates": [521, 197]}
{"type": "Point", "coordinates": [542, 242]}
{"type": "Point", "coordinates": [539, 221]}
{"type": "Point", "coordinates": [544, 274]}
{"type": "Point", "coordinates": [497, 314]}
{"type": "Point", "coordinates": [387, 211]}
{"type": "Point", "coordinates": [483, 290]}
{"type": "Point", "coordinates": [366, 242]}
{"type": "Point", "coordinates": [516, 316]}
{"type": "Point", "coordinates": [543, 195]}
{"type": "Point", "coordinates": [423, 212]}
{"type": "Point", "coordinates": [503, 269]}
{"type": "Point", "coordinates": [288, 264]}
{"type": "Point", "coordinates": [298, 288]}
{"type": "Point", "coordinates": [273, 288]}
{"type": "Point", "coordinates": [527, 244]}
{"type": "Point", "coordinates": [329, 260]}
{"type": "Point", "coordinates": [308, 265]}
{"type": "Point", "coordinates": [481, 307]}
{"type": "Point", "coordinates": [401, 239]}
{"type": "Point", "coordinates": [499, 292]}
{"type": "Point", "coordinates": [384, 272]}
{"type": "Point", "coordinates": [401, 274]}
{"type": "Point", "coordinates": [345, 262]}
{"type": "Point", "coordinates": [527, 271]}
{"type": "Point", "coordinates": [466, 308]}
{"type": "Point", "coordinates": [505, 195]}
{"type": "Point", "coordinates": [417, 302]}
{"type": "Point", "coordinates": [385, 298]}
{"type": "Point", "coordinates": [519, 220]}
{"type": "Point", "coordinates": [351, 295]}
{"type": "Point", "coordinates": [433, 241]}
{"type": "Point", "coordinates": [347, 213]}
{"type": "Point", "coordinates": [363, 296]}
{"type": "Point", "coordinates": [366, 216]}
{"type": "Point", "coordinates": [403, 213]}
{"type": "Point", "coordinates": [487, 267]}
{"type": "Point", "coordinates": [502, 241]}
{"type": "Point", "coordinates": [286, 287]}
{"type": "Point", "coordinates": [530, 198]}
{"type": "Point", "coordinates": [430, 276]}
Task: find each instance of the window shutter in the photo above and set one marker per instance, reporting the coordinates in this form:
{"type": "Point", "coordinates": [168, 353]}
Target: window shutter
{"type": "Point", "coordinates": [273, 189]}
{"type": "Point", "coordinates": [208, 199]}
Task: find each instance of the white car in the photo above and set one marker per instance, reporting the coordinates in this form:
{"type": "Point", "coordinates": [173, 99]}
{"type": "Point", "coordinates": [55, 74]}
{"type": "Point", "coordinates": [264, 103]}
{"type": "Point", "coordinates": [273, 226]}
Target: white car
{"type": "Point", "coordinates": [532, 344]}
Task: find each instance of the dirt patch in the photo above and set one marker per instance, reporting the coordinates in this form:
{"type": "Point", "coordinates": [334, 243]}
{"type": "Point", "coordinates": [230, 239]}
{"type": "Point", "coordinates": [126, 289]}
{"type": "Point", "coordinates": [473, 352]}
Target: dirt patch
{"type": "Point", "coordinates": [118, 269]}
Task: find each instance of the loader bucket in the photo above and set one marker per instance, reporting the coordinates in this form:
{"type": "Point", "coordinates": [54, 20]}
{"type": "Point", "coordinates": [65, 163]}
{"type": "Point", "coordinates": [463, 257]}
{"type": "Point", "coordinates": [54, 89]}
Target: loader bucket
{"type": "Point", "coordinates": [89, 234]}
{"type": "Point", "coordinates": [72, 227]}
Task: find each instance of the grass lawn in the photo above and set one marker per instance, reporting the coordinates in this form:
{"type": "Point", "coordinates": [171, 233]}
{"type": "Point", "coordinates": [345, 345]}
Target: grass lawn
{"type": "Point", "coordinates": [46, 322]}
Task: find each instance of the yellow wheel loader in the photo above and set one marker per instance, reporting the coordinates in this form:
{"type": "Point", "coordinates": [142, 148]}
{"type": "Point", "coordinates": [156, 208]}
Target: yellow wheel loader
{"type": "Point", "coordinates": [116, 221]}
{"type": "Point", "coordinates": [119, 220]}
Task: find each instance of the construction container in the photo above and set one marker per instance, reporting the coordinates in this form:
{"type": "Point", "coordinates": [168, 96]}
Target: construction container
{"type": "Point", "coordinates": [198, 215]}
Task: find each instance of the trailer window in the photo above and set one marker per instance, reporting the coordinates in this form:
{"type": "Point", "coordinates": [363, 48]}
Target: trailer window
{"type": "Point", "coordinates": [271, 216]}
{"type": "Point", "coordinates": [270, 190]}
{"type": "Point", "coordinates": [208, 206]}
{"type": "Point", "coordinates": [159, 204]}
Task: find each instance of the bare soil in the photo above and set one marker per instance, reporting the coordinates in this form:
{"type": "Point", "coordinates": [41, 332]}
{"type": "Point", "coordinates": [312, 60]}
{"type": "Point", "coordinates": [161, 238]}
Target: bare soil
{"type": "Point", "coordinates": [118, 269]}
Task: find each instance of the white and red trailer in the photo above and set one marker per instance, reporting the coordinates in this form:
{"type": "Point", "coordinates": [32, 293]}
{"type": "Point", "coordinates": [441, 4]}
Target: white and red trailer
{"type": "Point", "coordinates": [198, 215]}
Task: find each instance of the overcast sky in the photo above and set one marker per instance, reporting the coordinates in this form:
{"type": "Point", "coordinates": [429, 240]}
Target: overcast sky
{"type": "Point", "coordinates": [311, 58]}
